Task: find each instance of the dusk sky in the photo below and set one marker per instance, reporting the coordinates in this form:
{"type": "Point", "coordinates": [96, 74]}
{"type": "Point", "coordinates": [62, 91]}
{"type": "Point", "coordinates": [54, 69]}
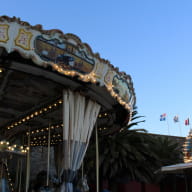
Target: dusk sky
{"type": "Point", "coordinates": [149, 39]}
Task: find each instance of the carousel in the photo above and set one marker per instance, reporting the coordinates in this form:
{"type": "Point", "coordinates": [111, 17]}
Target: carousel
{"type": "Point", "coordinates": [54, 92]}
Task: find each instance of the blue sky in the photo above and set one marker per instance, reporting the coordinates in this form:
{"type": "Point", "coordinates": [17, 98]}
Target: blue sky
{"type": "Point", "coordinates": [149, 39]}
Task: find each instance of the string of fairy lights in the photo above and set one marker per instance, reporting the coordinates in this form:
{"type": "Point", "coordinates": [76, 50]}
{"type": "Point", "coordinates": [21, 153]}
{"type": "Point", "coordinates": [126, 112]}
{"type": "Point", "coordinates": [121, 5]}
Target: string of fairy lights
{"type": "Point", "coordinates": [39, 136]}
{"type": "Point", "coordinates": [91, 77]}
{"type": "Point", "coordinates": [35, 114]}
{"type": "Point", "coordinates": [6, 147]}
{"type": "Point", "coordinates": [119, 99]}
{"type": "Point", "coordinates": [9, 178]}
{"type": "Point", "coordinates": [41, 112]}
{"type": "Point", "coordinates": [86, 78]}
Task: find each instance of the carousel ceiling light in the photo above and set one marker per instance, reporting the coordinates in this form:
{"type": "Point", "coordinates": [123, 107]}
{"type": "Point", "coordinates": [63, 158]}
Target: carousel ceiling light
{"type": "Point", "coordinates": [5, 146]}
{"type": "Point", "coordinates": [45, 129]}
{"type": "Point", "coordinates": [36, 113]}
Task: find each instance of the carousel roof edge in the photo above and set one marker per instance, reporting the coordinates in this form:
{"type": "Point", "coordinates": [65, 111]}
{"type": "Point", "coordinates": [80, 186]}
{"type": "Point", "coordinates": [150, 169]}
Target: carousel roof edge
{"type": "Point", "coordinates": [106, 77]}
{"type": "Point", "coordinates": [39, 27]}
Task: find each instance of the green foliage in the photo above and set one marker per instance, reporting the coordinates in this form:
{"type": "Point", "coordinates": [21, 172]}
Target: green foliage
{"type": "Point", "coordinates": [168, 150]}
{"type": "Point", "coordinates": [132, 153]}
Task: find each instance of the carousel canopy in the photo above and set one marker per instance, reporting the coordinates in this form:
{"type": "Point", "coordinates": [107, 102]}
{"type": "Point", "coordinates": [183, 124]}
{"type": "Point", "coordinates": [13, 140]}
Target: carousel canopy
{"type": "Point", "coordinates": [36, 65]}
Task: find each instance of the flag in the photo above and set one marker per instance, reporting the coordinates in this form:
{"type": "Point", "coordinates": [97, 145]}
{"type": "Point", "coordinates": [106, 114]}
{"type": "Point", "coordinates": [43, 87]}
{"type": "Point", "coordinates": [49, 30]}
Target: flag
{"type": "Point", "coordinates": [187, 122]}
{"type": "Point", "coordinates": [163, 117]}
{"type": "Point", "coordinates": [176, 118]}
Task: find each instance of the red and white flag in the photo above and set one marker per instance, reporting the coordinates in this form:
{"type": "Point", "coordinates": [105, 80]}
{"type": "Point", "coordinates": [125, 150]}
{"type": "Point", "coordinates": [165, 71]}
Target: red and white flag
{"type": "Point", "coordinates": [187, 122]}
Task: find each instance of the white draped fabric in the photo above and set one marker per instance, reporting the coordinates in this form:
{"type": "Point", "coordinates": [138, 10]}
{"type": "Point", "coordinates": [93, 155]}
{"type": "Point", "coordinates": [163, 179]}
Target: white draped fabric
{"type": "Point", "coordinates": [79, 117]}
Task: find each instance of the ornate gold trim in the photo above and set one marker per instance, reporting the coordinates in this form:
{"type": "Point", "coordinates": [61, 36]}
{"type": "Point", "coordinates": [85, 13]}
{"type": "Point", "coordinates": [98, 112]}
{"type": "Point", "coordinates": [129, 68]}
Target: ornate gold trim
{"type": "Point", "coordinates": [23, 39]}
{"type": "Point", "coordinates": [4, 31]}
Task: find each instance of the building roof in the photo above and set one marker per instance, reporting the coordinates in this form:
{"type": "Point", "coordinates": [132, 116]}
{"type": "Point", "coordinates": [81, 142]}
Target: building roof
{"type": "Point", "coordinates": [176, 168]}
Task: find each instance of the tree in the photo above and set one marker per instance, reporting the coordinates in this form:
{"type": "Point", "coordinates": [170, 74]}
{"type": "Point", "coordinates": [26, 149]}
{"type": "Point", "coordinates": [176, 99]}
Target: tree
{"type": "Point", "coordinates": [169, 151]}
{"type": "Point", "coordinates": [127, 154]}
{"type": "Point", "coordinates": [124, 153]}
{"type": "Point", "coordinates": [132, 153]}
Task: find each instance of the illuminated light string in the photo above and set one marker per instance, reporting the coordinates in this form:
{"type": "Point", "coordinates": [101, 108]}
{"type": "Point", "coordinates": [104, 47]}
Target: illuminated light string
{"type": "Point", "coordinates": [104, 128]}
{"type": "Point", "coordinates": [40, 112]}
{"type": "Point", "coordinates": [38, 139]}
{"type": "Point", "coordinates": [43, 110]}
{"type": "Point", "coordinates": [53, 127]}
{"type": "Point", "coordinates": [5, 146]}
{"type": "Point", "coordinates": [44, 142]}
{"type": "Point", "coordinates": [86, 78]}
{"type": "Point", "coordinates": [92, 78]}
{"type": "Point", "coordinates": [37, 131]}
{"type": "Point", "coordinates": [56, 138]}
{"type": "Point", "coordinates": [9, 179]}
{"type": "Point", "coordinates": [103, 115]}
{"type": "Point", "coordinates": [58, 102]}
{"type": "Point", "coordinates": [35, 114]}
{"type": "Point", "coordinates": [45, 137]}
{"type": "Point", "coordinates": [116, 96]}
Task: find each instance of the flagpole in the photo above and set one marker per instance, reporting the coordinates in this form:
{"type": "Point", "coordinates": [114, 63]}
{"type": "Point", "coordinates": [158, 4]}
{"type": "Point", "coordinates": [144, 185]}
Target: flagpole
{"type": "Point", "coordinates": [187, 123]}
{"type": "Point", "coordinates": [168, 127]}
{"type": "Point", "coordinates": [180, 129]}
